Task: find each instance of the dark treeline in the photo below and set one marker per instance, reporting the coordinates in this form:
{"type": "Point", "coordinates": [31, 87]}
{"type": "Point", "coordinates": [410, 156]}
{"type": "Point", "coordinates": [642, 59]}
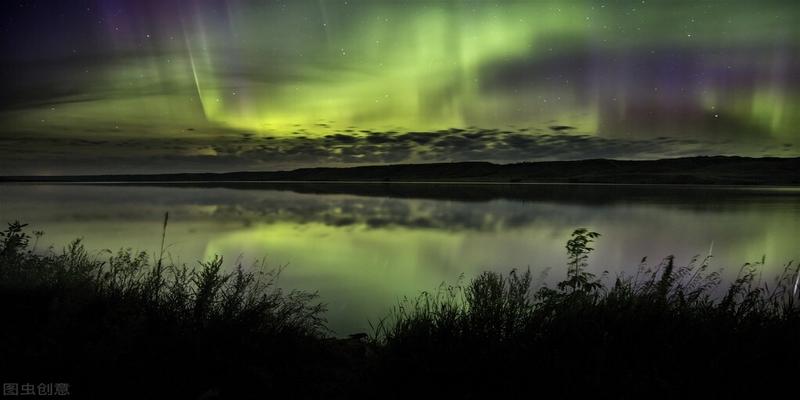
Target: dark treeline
{"type": "Point", "coordinates": [691, 170]}
{"type": "Point", "coordinates": [125, 325]}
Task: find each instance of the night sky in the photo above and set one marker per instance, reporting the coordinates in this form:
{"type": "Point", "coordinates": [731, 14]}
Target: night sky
{"type": "Point", "coordinates": [142, 86]}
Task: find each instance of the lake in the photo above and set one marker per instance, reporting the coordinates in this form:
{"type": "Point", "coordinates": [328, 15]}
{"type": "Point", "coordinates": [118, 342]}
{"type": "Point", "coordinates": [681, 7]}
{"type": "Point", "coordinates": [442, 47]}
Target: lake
{"type": "Point", "coordinates": [365, 246]}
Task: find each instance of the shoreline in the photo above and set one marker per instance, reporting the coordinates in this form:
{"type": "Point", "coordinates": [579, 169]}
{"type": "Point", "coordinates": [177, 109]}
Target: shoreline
{"type": "Point", "coordinates": [677, 171]}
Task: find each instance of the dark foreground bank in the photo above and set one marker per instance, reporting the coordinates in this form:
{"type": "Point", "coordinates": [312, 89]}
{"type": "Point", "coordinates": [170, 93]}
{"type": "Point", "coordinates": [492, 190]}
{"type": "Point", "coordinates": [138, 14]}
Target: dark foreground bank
{"type": "Point", "coordinates": [718, 170]}
{"type": "Point", "coordinates": [124, 326]}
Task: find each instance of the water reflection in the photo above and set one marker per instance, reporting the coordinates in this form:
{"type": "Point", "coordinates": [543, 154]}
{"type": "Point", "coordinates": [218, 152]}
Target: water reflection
{"type": "Point", "coordinates": [364, 246]}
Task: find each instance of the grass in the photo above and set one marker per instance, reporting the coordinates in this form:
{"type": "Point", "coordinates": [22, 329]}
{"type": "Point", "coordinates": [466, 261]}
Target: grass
{"type": "Point", "coordinates": [129, 326]}
{"type": "Point", "coordinates": [665, 331]}
{"type": "Point", "coordinates": [123, 325]}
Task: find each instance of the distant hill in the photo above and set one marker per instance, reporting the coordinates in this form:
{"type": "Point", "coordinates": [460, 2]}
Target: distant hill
{"type": "Point", "coordinates": [718, 170]}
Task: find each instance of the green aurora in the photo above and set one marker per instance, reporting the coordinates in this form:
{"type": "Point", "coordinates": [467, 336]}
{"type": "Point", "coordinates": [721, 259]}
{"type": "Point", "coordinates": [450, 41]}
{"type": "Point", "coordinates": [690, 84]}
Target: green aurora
{"type": "Point", "coordinates": [118, 86]}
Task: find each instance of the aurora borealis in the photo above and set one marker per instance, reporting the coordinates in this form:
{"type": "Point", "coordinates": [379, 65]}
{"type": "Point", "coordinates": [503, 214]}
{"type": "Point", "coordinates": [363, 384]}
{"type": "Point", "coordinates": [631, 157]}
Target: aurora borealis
{"type": "Point", "coordinates": [189, 85]}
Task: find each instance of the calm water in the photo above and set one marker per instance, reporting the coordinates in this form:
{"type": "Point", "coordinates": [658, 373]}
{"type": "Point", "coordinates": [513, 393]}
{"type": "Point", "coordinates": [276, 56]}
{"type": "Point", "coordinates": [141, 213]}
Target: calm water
{"type": "Point", "coordinates": [364, 246]}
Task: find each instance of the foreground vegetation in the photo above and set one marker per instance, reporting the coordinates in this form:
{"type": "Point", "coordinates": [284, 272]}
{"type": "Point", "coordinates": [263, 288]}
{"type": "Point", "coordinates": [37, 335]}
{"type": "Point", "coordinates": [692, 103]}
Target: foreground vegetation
{"type": "Point", "coordinates": [126, 326]}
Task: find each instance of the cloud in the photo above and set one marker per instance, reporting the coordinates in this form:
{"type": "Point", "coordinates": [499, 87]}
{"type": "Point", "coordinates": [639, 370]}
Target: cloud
{"type": "Point", "coordinates": [233, 150]}
{"type": "Point", "coordinates": [560, 128]}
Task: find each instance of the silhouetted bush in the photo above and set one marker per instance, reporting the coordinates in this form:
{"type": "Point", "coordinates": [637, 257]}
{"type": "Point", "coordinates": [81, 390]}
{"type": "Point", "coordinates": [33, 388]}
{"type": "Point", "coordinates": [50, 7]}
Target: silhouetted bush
{"type": "Point", "coordinates": [126, 326]}
{"type": "Point", "coordinates": [663, 332]}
